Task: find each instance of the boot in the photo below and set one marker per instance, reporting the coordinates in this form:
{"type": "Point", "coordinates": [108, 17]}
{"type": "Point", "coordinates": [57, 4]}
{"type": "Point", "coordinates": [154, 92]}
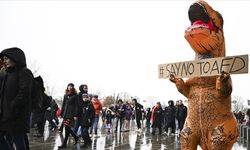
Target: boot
{"type": "Point", "coordinates": [76, 140]}
{"type": "Point", "coordinates": [62, 146]}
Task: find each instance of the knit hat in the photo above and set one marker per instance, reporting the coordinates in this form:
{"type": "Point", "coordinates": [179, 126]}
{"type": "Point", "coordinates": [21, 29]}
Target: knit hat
{"type": "Point", "coordinates": [71, 84]}
{"type": "Point", "coordinates": [85, 95]}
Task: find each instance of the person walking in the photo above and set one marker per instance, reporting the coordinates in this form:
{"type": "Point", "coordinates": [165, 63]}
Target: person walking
{"type": "Point", "coordinates": [181, 114]}
{"type": "Point", "coordinates": [98, 108]}
{"type": "Point", "coordinates": [248, 114]}
{"type": "Point", "coordinates": [15, 100]}
{"type": "Point", "coordinates": [120, 113]}
{"type": "Point", "coordinates": [87, 115]}
{"type": "Point", "coordinates": [128, 116]}
{"type": "Point", "coordinates": [109, 117]}
{"type": "Point", "coordinates": [138, 113]}
{"type": "Point", "coordinates": [170, 114]}
{"type": "Point", "coordinates": [69, 113]}
{"type": "Point", "coordinates": [156, 118]}
{"type": "Point", "coordinates": [83, 90]}
{"type": "Point", "coordinates": [148, 115]}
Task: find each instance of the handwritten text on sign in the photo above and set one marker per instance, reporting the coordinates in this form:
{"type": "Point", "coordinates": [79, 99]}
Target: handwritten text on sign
{"type": "Point", "coordinates": [205, 67]}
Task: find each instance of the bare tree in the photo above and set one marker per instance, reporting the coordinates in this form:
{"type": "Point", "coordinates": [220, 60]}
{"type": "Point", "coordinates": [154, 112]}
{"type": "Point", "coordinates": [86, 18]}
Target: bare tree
{"type": "Point", "coordinates": [50, 90]}
{"type": "Point", "coordinates": [34, 68]}
{"type": "Point", "coordinates": [238, 103]}
{"type": "Point", "coordinates": [108, 101]}
{"type": "Point", "coordinates": [124, 96]}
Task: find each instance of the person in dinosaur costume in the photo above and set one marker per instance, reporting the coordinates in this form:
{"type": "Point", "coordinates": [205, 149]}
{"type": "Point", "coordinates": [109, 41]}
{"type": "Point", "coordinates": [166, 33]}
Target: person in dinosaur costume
{"type": "Point", "coordinates": [210, 122]}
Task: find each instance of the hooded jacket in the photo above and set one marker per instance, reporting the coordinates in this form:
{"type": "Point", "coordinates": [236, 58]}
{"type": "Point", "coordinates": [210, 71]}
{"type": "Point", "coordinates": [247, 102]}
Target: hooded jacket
{"type": "Point", "coordinates": [15, 93]}
{"type": "Point", "coordinates": [82, 91]}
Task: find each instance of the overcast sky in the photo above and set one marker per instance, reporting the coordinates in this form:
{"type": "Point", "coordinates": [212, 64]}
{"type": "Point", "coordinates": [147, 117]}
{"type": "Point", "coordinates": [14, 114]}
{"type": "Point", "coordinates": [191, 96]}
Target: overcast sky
{"type": "Point", "coordinates": [115, 46]}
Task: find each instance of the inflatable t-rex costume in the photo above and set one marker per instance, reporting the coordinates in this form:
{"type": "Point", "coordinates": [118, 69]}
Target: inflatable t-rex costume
{"type": "Point", "coordinates": [210, 122]}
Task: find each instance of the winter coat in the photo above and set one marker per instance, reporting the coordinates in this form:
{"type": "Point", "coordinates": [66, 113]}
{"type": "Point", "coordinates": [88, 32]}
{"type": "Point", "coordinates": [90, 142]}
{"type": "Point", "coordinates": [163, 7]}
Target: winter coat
{"type": "Point", "coordinates": [70, 106]}
{"type": "Point", "coordinates": [15, 93]}
{"type": "Point", "coordinates": [148, 114]}
{"type": "Point", "coordinates": [248, 112]}
{"type": "Point", "coordinates": [87, 113]}
{"type": "Point", "coordinates": [120, 111]}
{"type": "Point", "coordinates": [170, 114]}
{"type": "Point", "coordinates": [109, 114]}
{"type": "Point", "coordinates": [80, 101]}
{"type": "Point", "coordinates": [157, 117]}
{"type": "Point", "coordinates": [39, 113]}
{"type": "Point", "coordinates": [98, 106]}
{"type": "Point", "coordinates": [128, 113]}
{"type": "Point", "coordinates": [181, 112]}
{"type": "Point", "coordinates": [51, 113]}
{"type": "Point", "coordinates": [138, 111]}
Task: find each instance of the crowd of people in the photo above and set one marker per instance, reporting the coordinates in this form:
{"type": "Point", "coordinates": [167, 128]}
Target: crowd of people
{"type": "Point", "coordinates": [24, 104]}
{"type": "Point", "coordinates": [82, 111]}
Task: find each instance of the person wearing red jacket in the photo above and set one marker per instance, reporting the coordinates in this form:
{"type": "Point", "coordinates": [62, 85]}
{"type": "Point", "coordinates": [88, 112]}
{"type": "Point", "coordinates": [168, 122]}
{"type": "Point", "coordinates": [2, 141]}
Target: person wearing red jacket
{"type": "Point", "coordinates": [98, 108]}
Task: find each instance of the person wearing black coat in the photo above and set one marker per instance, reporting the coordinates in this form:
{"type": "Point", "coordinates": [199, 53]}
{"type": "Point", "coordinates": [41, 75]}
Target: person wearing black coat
{"type": "Point", "coordinates": [83, 90]}
{"type": "Point", "coordinates": [181, 114]}
{"type": "Point", "coordinates": [40, 106]}
{"type": "Point", "coordinates": [50, 114]}
{"type": "Point", "coordinates": [39, 114]}
{"type": "Point", "coordinates": [87, 115]}
{"type": "Point", "coordinates": [69, 113]}
{"type": "Point", "coordinates": [248, 114]}
{"type": "Point", "coordinates": [15, 100]}
{"type": "Point", "coordinates": [170, 116]}
{"type": "Point", "coordinates": [148, 115]}
{"type": "Point", "coordinates": [138, 113]}
{"type": "Point", "coordinates": [156, 118]}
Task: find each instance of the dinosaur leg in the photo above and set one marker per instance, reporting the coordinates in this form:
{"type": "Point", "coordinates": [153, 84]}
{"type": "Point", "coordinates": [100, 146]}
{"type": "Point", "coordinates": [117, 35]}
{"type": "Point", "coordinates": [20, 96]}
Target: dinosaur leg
{"type": "Point", "coordinates": [188, 139]}
{"type": "Point", "coordinates": [223, 136]}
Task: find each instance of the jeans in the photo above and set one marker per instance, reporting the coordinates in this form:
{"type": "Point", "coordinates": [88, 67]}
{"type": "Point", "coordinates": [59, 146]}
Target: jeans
{"type": "Point", "coordinates": [181, 123]}
{"type": "Point", "coordinates": [77, 125]}
{"type": "Point", "coordinates": [94, 124]}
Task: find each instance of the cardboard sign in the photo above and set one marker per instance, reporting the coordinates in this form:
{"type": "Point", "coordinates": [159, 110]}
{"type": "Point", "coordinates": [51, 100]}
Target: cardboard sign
{"type": "Point", "coordinates": [205, 67]}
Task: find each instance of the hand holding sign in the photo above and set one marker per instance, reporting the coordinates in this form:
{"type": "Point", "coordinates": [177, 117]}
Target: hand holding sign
{"type": "Point", "coordinates": [224, 77]}
{"type": "Point", "coordinates": [172, 78]}
{"type": "Point", "coordinates": [224, 85]}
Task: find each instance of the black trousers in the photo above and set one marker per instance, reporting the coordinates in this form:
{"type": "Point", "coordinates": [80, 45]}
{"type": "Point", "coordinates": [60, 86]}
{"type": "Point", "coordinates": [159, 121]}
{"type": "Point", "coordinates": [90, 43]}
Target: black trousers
{"type": "Point", "coordinates": [170, 124]}
{"type": "Point", "coordinates": [121, 122]}
{"type": "Point", "coordinates": [138, 122]}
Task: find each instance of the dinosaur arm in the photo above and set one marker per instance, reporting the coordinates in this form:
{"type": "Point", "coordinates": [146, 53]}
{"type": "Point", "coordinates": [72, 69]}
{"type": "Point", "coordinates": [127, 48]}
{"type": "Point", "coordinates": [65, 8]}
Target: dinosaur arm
{"type": "Point", "coordinates": [181, 86]}
{"type": "Point", "coordinates": [224, 85]}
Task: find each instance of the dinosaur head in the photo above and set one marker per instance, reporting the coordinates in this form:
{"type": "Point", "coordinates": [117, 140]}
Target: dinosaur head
{"type": "Point", "coordinates": [205, 35]}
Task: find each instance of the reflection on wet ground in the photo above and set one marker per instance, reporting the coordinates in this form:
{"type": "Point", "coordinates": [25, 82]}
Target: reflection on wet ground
{"type": "Point", "coordinates": [118, 141]}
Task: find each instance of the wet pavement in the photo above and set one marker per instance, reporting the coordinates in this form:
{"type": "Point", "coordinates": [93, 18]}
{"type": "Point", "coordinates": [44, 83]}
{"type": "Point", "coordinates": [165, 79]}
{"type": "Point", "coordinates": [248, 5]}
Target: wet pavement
{"type": "Point", "coordinates": [130, 140]}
